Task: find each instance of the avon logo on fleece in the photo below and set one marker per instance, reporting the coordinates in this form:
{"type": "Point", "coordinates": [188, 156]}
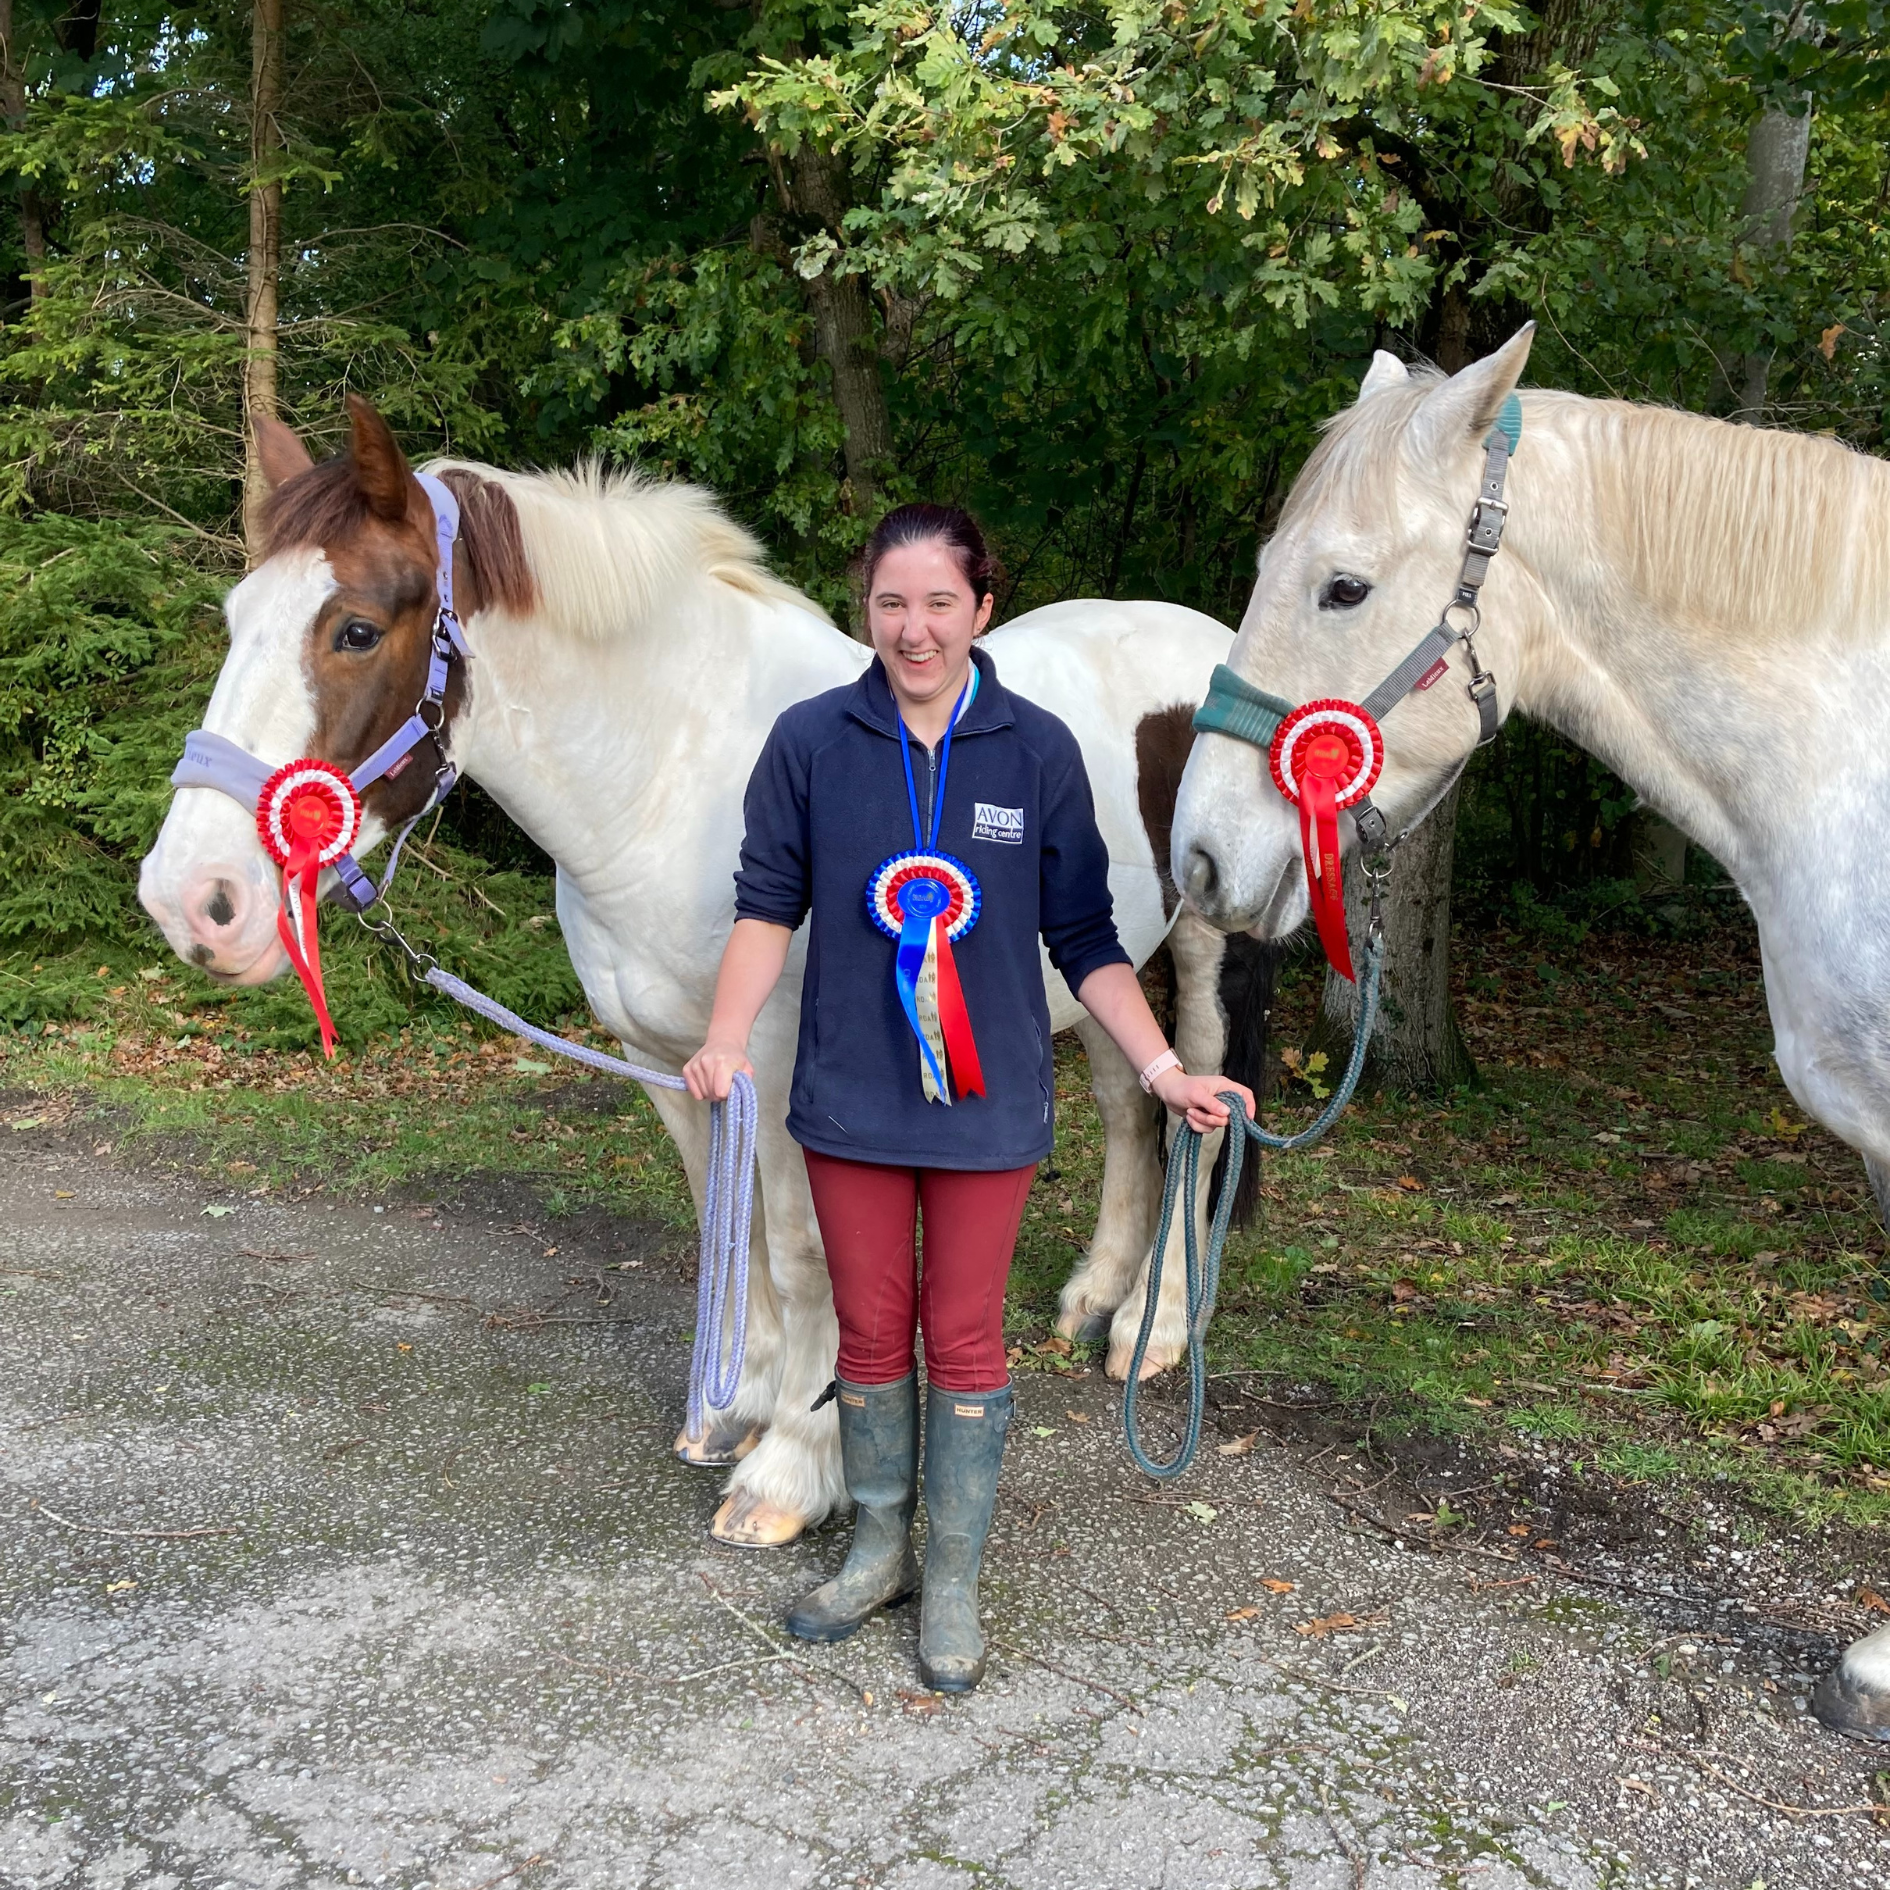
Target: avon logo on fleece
{"type": "Point", "coordinates": [1003, 824]}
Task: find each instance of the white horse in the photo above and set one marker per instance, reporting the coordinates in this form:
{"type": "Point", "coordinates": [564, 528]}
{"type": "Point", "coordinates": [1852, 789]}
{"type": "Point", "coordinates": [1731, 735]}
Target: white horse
{"type": "Point", "coordinates": [1706, 607]}
{"type": "Point", "coordinates": [629, 653]}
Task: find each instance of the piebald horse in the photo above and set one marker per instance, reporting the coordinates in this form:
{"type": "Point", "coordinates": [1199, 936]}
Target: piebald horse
{"type": "Point", "coordinates": [1706, 607]}
{"type": "Point", "coordinates": [628, 654]}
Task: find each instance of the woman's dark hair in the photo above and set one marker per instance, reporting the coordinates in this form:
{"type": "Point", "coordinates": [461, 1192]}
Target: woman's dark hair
{"type": "Point", "coordinates": [949, 525]}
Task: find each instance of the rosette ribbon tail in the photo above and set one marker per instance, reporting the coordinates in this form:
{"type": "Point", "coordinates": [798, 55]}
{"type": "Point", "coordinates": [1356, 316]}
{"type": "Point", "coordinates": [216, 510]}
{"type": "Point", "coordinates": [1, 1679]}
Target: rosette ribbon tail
{"type": "Point", "coordinates": [301, 876]}
{"type": "Point", "coordinates": [1325, 879]}
{"type": "Point", "coordinates": [915, 968]}
{"type": "Point", "coordinates": [955, 1020]}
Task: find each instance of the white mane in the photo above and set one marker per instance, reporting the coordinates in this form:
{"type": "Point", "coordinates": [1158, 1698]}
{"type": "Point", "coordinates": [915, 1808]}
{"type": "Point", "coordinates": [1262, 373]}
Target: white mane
{"type": "Point", "coordinates": [608, 549]}
{"type": "Point", "coordinates": [1737, 531]}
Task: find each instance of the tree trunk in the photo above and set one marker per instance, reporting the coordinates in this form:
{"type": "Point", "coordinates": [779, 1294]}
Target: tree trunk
{"type": "Point", "coordinates": [13, 111]}
{"type": "Point", "coordinates": [1417, 1045]}
{"type": "Point", "coordinates": [1660, 852]}
{"type": "Point", "coordinates": [812, 186]}
{"type": "Point", "coordinates": [266, 144]}
{"type": "Point", "coordinates": [1776, 151]}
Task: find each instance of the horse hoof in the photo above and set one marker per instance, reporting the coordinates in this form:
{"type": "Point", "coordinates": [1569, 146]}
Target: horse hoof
{"type": "Point", "coordinates": [1155, 1360]}
{"type": "Point", "coordinates": [1086, 1327]}
{"type": "Point", "coordinates": [716, 1449]}
{"type": "Point", "coordinates": [748, 1521]}
{"type": "Point", "coordinates": [1854, 1697]}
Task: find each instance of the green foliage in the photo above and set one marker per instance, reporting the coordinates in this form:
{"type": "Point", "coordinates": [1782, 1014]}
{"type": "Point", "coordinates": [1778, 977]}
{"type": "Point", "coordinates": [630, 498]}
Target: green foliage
{"type": "Point", "coordinates": [107, 644]}
{"type": "Point", "coordinates": [1123, 257]}
{"type": "Point", "coordinates": [721, 343]}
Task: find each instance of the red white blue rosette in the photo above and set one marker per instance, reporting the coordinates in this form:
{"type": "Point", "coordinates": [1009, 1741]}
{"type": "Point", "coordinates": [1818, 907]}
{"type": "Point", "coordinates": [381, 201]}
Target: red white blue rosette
{"type": "Point", "coordinates": [884, 888]}
{"type": "Point", "coordinates": [1326, 755]}
{"type": "Point", "coordinates": [925, 901]}
{"type": "Point", "coordinates": [309, 815]}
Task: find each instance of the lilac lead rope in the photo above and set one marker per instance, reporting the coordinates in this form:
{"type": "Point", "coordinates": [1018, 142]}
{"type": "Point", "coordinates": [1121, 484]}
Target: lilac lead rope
{"type": "Point", "coordinates": [728, 1201]}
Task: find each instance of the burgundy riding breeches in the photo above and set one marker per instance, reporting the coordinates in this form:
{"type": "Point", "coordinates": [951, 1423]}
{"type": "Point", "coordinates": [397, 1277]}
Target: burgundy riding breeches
{"type": "Point", "coordinates": [883, 1278]}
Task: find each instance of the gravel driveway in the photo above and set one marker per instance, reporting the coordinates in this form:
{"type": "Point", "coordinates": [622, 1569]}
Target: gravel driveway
{"type": "Point", "coordinates": [343, 1546]}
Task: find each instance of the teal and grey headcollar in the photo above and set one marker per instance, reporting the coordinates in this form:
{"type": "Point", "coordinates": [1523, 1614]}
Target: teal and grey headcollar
{"type": "Point", "coordinates": [1235, 707]}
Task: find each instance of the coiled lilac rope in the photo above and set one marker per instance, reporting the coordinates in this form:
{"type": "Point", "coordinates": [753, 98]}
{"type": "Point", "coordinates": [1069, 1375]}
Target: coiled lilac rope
{"type": "Point", "coordinates": [728, 1200]}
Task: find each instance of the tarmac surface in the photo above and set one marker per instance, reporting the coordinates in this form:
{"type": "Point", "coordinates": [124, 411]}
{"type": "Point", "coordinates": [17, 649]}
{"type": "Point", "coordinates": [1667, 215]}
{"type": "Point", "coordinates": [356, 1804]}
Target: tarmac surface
{"type": "Point", "coordinates": [344, 1546]}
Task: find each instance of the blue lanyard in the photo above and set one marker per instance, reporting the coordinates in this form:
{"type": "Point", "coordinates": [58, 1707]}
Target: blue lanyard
{"type": "Point", "coordinates": [919, 842]}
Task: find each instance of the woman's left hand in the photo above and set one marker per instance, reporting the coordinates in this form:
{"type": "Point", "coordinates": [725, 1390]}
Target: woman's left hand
{"type": "Point", "coordinates": [1199, 1098]}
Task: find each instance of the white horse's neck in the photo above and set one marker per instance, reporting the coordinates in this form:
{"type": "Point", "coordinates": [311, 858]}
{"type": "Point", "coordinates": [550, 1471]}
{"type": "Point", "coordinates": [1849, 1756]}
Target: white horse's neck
{"type": "Point", "coordinates": [647, 675]}
{"type": "Point", "coordinates": [1704, 607]}
{"type": "Point", "coordinates": [598, 747]}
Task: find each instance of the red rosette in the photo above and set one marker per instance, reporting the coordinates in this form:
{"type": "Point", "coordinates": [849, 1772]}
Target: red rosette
{"type": "Point", "coordinates": [1326, 755]}
{"type": "Point", "coordinates": [1334, 739]}
{"type": "Point", "coordinates": [308, 810]}
{"type": "Point", "coordinates": [308, 815]}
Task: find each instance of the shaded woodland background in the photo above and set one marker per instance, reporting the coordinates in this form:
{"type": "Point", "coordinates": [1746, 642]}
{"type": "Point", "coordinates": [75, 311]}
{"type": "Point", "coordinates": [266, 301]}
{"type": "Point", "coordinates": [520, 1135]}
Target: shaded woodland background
{"type": "Point", "coordinates": [1096, 270]}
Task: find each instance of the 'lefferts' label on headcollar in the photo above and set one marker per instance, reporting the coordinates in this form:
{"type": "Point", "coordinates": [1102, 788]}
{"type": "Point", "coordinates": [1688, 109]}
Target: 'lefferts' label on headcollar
{"type": "Point", "coordinates": [1003, 824]}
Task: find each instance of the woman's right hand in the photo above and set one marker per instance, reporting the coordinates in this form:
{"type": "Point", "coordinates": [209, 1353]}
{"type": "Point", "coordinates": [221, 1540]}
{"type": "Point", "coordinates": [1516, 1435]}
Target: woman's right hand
{"type": "Point", "coordinates": [713, 1069]}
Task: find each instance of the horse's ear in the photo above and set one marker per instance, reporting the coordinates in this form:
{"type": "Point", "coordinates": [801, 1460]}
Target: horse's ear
{"type": "Point", "coordinates": [1385, 371]}
{"type": "Point", "coordinates": [1464, 408]}
{"type": "Point", "coordinates": [279, 451]}
{"type": "Point", "coordinates": [380, 467]}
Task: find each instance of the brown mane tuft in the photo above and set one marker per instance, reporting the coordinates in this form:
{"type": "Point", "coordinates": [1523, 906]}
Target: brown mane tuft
{"type": "Point", "coordinates": [498, 574]}
{"type": "Point", "coordinates": [326, 506]}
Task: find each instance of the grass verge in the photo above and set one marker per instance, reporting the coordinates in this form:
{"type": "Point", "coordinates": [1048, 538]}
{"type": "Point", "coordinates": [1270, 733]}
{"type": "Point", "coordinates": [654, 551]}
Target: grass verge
{"type": "Point", "coordinates": [1624, 1238]}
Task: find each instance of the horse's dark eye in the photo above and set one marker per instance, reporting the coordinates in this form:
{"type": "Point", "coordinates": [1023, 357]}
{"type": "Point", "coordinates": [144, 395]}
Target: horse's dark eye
{"type": "Point", "coordinates": [357, 634]}
{"type": "Point", "coordinates": [1344, 592]}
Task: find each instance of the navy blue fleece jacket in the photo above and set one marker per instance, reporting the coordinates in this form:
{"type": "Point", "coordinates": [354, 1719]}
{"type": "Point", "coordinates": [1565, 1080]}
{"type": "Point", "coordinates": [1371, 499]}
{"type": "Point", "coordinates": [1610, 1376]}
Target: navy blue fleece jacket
{"type": "Point", "coordinates": [826, 805]}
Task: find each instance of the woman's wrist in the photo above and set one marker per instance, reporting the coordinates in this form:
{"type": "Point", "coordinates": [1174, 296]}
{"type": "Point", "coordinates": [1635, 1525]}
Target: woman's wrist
{"type": "Point", "coordinates": [1157, 1068]}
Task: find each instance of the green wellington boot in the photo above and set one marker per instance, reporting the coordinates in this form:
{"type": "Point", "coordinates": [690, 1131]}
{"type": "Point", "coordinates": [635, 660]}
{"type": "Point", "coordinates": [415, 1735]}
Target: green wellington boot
{"type": "Point", "coordinates": [964, 1445]}
{"type": "Point", "coordinates": [879, 1457]}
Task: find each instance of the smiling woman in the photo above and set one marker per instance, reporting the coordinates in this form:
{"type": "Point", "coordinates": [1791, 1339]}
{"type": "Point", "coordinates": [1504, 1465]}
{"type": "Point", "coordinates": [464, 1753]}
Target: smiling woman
{"type": "Point", "coordinates": [923, 1077]}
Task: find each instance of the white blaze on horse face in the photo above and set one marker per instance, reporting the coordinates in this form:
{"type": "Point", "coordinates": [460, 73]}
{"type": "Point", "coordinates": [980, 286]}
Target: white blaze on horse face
{"type": "Point", "coordinates": [1368, 554]}
{"type": "Point", "coordinates": [207, 882]}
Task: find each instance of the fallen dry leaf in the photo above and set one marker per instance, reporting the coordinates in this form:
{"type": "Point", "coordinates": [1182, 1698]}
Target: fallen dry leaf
{"type": "Point", "coordinates": [1278, 1588]}
{"type": "Point", "coordinates": [1411, 1184]}
{"type": "Point", "coordinates": [1869, 1598]}
{"type": "Point", "coordinates": [1240, 1446]}
{"type": "Point", "coordinates": [1326, 1624]}
{"type": "Point", "coordinates": [1242, 1614]}
{"type": "Point", "coordinates": [921, 1705]}
{"type": "Point", "coordinates": [1077, 1417]}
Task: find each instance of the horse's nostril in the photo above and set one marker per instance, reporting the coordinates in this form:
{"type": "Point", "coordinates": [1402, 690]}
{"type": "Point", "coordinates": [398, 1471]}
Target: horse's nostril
{"type": "Point", "coordinates": [203, 954]}
{"type": "Point", "coordinates": [1202, 875]}
{"type": "Point", "coordinates": [219, 910]}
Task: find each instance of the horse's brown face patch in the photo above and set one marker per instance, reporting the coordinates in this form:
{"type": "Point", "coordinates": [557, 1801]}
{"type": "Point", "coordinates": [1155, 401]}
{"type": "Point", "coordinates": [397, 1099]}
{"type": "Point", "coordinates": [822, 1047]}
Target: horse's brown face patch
{"type": "Point", "coordinates": [1162, 742]}
{"type": "Point", "coordinates": [368, 649]}
{"type": "Point", "coordinates": [366, 657]}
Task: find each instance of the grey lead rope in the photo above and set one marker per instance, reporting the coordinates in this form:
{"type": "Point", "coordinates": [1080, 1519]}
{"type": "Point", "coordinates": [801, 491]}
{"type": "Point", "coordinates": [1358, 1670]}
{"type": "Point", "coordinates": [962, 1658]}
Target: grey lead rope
{"type": "Point", "coordinates": [728, 1200]}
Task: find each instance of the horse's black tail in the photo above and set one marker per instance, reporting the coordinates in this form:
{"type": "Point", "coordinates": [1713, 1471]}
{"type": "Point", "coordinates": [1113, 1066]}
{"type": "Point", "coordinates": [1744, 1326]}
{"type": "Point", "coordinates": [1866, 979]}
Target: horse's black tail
{"type": "Point", "coordinates": [1250, 969]}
